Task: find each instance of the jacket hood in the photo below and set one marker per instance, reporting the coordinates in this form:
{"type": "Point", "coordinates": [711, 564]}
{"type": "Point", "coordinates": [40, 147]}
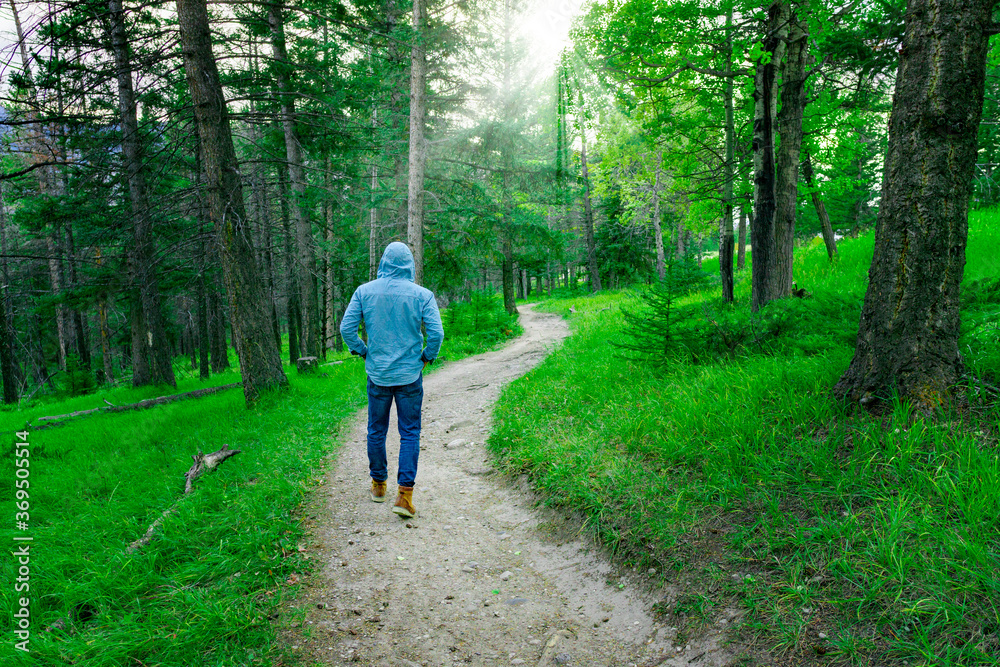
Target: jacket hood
{"type": "Point", "coordinates": [397, 262]}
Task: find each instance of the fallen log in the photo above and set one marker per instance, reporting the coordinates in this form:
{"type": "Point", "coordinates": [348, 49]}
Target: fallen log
{"type": "Point", "coordinates": [46, 422]}
{"type": "Point", "coordinates": [202, 464]}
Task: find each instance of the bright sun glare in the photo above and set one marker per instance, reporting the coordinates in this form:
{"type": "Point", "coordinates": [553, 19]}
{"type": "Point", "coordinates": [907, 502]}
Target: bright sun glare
{"type": "Point", "coordinates": [546, 26]}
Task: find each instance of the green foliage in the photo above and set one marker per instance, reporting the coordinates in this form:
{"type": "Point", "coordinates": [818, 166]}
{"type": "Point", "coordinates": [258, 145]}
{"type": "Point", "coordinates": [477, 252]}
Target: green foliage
{"type": "Point", "coordinates": [657, 329]}
{"type": "Point", "coordinates": [78, 379]}
{"type": "Point", "coordinates": [746, 484]}
{"type": "Point", "coordinates": [477, 325]}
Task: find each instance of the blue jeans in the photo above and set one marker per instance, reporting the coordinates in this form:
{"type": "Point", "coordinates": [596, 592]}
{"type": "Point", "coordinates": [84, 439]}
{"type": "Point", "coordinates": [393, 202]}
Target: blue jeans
{"type": "Point", "coordinates": [409, 398]}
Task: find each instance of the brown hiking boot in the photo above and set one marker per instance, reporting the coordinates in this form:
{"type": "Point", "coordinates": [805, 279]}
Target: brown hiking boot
{"type": "Point", "coordinates": [378, 491]}
{"type": "Point", "coordinates": [404, 503]}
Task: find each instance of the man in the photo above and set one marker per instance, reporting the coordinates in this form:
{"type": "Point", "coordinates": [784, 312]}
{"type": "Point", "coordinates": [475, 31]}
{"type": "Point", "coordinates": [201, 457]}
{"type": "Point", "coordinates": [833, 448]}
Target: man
{"type": "Point", "coordinates": [393, 308]}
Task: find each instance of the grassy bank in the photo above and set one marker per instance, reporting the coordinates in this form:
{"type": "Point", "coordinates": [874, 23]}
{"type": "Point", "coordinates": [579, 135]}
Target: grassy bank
{"type": "Point", "coordinates": [841, 538]}
{"type": "Point", "coordinates": [203, 592]}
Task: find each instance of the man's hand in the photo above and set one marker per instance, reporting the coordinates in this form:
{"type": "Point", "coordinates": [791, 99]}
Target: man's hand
{"type": "Point", "coordinates": [426, 364]}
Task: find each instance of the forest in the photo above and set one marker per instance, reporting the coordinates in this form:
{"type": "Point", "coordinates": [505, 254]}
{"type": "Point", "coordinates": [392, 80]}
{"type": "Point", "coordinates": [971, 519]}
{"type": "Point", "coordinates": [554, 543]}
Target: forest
{"type": "Point", "coordinates": [771, 229]}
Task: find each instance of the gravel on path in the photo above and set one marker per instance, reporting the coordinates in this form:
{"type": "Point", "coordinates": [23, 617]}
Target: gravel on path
{"type": "Point", "coordinates": [482, 575]}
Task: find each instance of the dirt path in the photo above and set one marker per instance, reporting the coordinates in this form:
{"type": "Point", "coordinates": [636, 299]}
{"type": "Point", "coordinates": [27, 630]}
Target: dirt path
{"type": "Point", "coordinates": [480, 576]}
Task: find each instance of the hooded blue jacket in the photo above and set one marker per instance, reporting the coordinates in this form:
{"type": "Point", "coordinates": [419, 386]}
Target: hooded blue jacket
{"type": "Point", "coordinates": [393, 308]}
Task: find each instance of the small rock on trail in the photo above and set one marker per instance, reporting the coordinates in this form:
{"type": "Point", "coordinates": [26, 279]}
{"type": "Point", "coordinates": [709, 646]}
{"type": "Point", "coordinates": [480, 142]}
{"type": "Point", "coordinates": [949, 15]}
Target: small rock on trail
{"type": "Point", "coordinates": [488, 579]}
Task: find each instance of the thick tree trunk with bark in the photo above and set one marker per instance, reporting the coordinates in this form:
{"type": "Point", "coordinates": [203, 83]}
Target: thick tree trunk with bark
{"type": "Point", "coordinates": [418, 147]}
{"type": "Point", "coordinates": [259, 360]}
{"type": "Point", "coordinates": [262, 214]}
{"type": "Point", "coordinates": [305, 252]}
{"type": "Point", "coordinates": [908, 336]}
{"type": "Point", "coordinates": [824, 218]}
{"type": "Point", "coordinates": [588, 220]}
{"type": "Point", "coordinates": [765, 105]}
{"type": "Point", "coordinates": [151, 358]}
{"type": "Point", "coordinates": [789, 121]}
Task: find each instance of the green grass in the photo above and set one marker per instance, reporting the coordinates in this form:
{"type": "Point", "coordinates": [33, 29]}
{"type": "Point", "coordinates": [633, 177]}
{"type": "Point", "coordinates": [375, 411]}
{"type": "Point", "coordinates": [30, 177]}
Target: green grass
{"type": "Point", "coordinates": [204, 591]}
{"type": "Point", "coordinates": [746, 484]}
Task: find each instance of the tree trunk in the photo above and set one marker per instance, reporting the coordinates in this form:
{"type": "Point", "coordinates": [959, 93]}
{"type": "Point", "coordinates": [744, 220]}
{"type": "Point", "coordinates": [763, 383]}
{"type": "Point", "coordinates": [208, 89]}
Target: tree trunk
{"type": "Point", "coordinates": [373, 241]}
{"type": "Point", "coordinates": [789, 121]}
{"type": "Point", "coordinates": [55, 278]}
{"type": "Point", "coordinates": [102, 324]}
{"type": "Point", "coordinates": [726, 240]}
{"type": "Point", "coordinates": [294, 314]}
{"type": "Point", "coordinates": [305, 253]}
{"type": "Point", "coordinates": [765, 103]}
{"type": "Point", "coordinates": [204, 339]}
{"type": "Point", "coordinates": [661, 264]}
{"type": "Point", "coordinates": [11, 384]}
{"type": "Point", "coordinates": [741, 256]}
{"type": "Point", "coordinates": [260, 363]}
{"type": "Point", "coordinates": [908, 336]}
{"type": "Point", "coordinates": [9, 367]}
{"type": "Point", "coordinates": [397, 112]}
{"type": "Point", "coordinates": [507, 269]}
{"type": "Point", "coordinates": [151, 363]}
{"type": "Point", "coordinates": [588, 219]}
{"type": "Point", "coordinates": [79, 320]}
{"type": "Point", "coordinates": [418, 148]}
{"type": "Point", "coordinates": [262, 214]}
{"type": "Point", "coordinates": [824, 217]}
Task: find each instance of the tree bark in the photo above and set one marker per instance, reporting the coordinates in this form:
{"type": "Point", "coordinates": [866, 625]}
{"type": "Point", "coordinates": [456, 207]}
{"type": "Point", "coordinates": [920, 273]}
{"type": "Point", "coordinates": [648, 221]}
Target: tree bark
{"type": "Point", "coordinates": [55, 278]}
{"type": "Point", "coordinates": [908, 335]}
{"type": "Point", "coordinates": [588, 219]}
{"type": "Point", "coordinates": [765, 104]}
{"type": "Point", "coordinates": [294, 314]}
{"type": "Point", "coordinates": [741, 244]}
{"type": "Point", "coordinates": [418, 147]}
{"type": "Point", "coordinates": [262, 214]}
{"type": "Point", "coordinates": [396, 63]}
{"type": "Point", "coordinates": [260, 363]}
{"type": "Point", "coordinates": [9, 368]}
{"type": "Point", "coordinates": [789, 121]}
{"type": "Point", "coordinates": [11, 384]}
{"type": "Point", "coordinates": [79, 319]}
{"type": "Point", "coordinates": [373, 240]}
{"type": "Point", "coordinates": [726, 240]}
{"type": "Point", "coordinates": [204, 339]}
{"type": "Point", "coordinates": [305, 252]}
{"type": "Point", "coordinates": [507, 269]}
{"type": "Point", "coordinates": [151, 358]}
{"type": "Point", "coordinates": [824, 217]}
{"type": "Point", "coordinates": [102, 324]}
